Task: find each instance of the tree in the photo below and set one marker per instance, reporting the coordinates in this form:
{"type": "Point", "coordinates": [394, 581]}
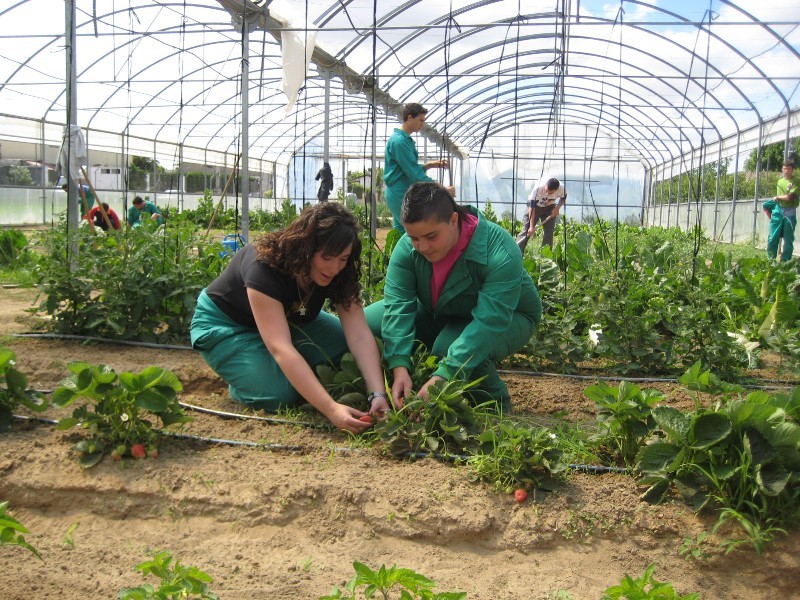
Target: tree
{"type": "Point", "coordinates": [771, 156]}
{"type": "Point", "coordinates": [19, 175]}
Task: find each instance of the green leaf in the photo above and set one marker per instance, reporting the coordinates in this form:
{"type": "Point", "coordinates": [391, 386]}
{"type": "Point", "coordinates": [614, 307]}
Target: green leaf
{"type": "Point", "coordinates": [757, 447]}
{"type": "Point", "coordinates": [656, 492]}
{"type": "Point", "coordinates": [63, 396]}
{"type": "Point", "coordinates": [657, 457]}
{"type": "Point", "coordinates": [708, 429]}
{"type": "Point", "coordinates": [674, 423]}
{"type": "Point", "coordinates": [151, 400]}
{"type": "Point", "coordinates": [772, 478]}
{"type": "Point", "coordinates": [89, 460]}
{"type": "Point", "coordinates": [67, 423]}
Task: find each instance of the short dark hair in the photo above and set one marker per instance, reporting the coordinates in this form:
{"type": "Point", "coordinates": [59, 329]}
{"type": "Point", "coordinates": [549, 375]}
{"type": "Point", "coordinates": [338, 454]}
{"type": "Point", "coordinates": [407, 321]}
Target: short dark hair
{"type": "Point", "coordinates": [553, 184]}
{"type": "Point", "coordinates": [413, 110]}
{"type": "Point", "coordinates": [426, 199]}
{"type": "Point", "coordinates": [138, 200]}
{"type": "Point", "coordinates": [788, 163]}
{"type": "Point", "coordinates": [105, 206]}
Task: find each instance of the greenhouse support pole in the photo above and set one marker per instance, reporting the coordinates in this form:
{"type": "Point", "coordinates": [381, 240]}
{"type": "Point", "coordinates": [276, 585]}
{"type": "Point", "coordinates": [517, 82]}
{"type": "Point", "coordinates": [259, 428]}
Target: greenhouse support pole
{"type": "Point", "coordinates": [73, 214]}
{"type": "Point", "coordinates": [735, 184]}
{"type": "Point", "coordinates": [716, 192]}
{"type": "Point", "coordinates": [44, 171]}
{"type": "Point", "coordinates": [679, 198]}
{"type": "Point", "coordinates": [373, 217]}
{"type": "Point", "coordinates": [244, 174]}
{"type": "Point", "coordinates": [758, 179]}
{"type": "Point", "coordinates": [326, 130]}
{"type": "Point", "coordinates": [646, 218]}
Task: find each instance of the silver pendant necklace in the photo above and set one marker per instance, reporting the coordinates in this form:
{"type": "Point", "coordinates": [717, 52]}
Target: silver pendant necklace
{"type": "Point", "coordinates": [301, 308]}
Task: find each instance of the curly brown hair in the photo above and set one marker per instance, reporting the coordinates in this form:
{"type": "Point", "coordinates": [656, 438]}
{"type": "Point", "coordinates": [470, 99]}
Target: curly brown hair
{"type": "Point", "coordinates": [328, 227]}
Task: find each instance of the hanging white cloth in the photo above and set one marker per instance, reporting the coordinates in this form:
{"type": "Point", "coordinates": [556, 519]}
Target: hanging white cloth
{"type": "Point", "coordinates": [297, 47]}
{"type": "Point", "coordinates": [73, 154]}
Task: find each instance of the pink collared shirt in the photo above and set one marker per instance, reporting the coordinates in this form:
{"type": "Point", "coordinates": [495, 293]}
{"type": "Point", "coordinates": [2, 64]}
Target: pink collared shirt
{"type": "Point", "coordinates": [442, 268]}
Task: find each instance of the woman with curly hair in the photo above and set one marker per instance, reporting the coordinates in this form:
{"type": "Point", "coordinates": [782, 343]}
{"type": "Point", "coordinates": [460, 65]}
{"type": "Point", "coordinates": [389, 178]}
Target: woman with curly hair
{"type": "Point", "coordinates": [261, 327]}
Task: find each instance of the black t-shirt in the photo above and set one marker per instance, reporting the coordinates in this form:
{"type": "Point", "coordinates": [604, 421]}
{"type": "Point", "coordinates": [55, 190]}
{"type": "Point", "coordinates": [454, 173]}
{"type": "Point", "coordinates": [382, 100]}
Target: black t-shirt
{"type": "Point", "coordinates": [229, 290]}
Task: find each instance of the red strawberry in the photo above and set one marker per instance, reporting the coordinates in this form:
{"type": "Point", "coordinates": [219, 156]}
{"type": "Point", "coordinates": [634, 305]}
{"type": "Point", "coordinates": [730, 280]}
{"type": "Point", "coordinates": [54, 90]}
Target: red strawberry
{"type": "Point", "coordinates": [520, 495]}
{"type": "Point", "coordinates": [366, 419]}
{"type": "Point", "coordinates": [138, 451]}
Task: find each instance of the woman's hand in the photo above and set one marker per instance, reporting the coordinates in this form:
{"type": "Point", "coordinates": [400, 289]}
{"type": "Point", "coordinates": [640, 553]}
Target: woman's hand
{"type": "Point", "coordinates": [423, 392]}
{"type": "Point", "coordinates": [346, 418]}
{"type": "Point", "coordinates": [380, 407]}
{"type": "Point", "coordinates": [401, 386]}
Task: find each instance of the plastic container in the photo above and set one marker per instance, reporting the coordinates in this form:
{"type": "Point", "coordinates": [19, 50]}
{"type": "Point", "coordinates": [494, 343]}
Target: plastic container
{"type": "Point", "coordinates": [231, 243]}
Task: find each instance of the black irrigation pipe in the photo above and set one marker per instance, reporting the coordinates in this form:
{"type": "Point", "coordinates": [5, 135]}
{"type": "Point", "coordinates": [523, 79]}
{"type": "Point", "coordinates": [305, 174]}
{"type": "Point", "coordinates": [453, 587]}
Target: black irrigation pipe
{"type": "Point", "coordinates": [780, 384]}
{"type": "Point", "coordinates": [596, 469]}
{"type": "Point", "coordinates": [227, 415]}
{"type": "Point", "coordinates": [231, 415]}
{"type": "Point", "coordinates": [186, 436]}
{"type": "Point", "coordinates": [83, 338]}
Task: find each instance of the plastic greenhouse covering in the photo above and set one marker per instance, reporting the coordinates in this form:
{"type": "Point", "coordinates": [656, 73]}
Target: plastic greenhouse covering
{"type": "Point", "coordinates": [611, 97]}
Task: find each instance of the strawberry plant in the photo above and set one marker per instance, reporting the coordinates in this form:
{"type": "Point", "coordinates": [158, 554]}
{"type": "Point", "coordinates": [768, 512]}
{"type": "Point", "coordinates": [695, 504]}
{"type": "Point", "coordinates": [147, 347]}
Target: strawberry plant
{"type": "Point", "coordinates": [117, 415]}
{"type": "Point", "coordinates": [741, 456]}
{"type": "Point", "coordinates": [11, 531]}
{"type": "Point", "coordinates": [623, 415]}
{"type": "Point", "coordinates": [645, 587]}
{"type": "Point", "coordinates": [513, 455]}
{"type": "Point", "coordinates": [13, 390]}
{"type": "Point", "coordinates": [446, 423]}
{"type": "Point", "coordinates": [410, 584]}
{"type": "Point", "coordinates": [177, 581]}
{"type": "Point", "coordinates": [345, 384]}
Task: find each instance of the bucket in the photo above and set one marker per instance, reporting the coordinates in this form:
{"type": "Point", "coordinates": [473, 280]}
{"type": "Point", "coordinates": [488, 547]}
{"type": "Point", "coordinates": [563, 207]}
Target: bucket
{"type": "Point", "coordinates": [231, 243]}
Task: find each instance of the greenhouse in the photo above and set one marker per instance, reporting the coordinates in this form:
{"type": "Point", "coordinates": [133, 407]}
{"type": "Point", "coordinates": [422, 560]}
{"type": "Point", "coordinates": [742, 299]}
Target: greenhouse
{"type": "Point", "coordinates": [456, 299]}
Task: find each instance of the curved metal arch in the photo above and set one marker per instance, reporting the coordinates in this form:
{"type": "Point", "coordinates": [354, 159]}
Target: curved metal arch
{"type": "Point", "coordinates": [416, 32]}
{"type": "Point", "coordinates": [606, 125]}
{"type": "Point", "coordinates": [643, 114]}
{"type": "Point", "coordinates": [658, 111]}
{"type": "Point", "coordinates": [111, 52]}
{"type": "Point", "coordinates": [632, 141]}
{"type": "Point", "coordinates": [626, 63]}
{"type": "Point", "coordinates": [464, 116]}
{"type": "Point", "coordinates": [158, 94]}
{"type": "Point", "coordinates": [316, 129]}
{"type": "Point", "coordinates": [462, 36]}
{"type": "Point", "coordinates": [722, 42]}
{"type": "Point", "coordinates": [688, 76]}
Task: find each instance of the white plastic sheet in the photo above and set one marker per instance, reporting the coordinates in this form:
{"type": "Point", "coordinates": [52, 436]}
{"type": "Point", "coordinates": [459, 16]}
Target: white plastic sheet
{"type": "Point", "coordinates": [297, 47]}
{"type": "Point", "coordinates": [73, 155]}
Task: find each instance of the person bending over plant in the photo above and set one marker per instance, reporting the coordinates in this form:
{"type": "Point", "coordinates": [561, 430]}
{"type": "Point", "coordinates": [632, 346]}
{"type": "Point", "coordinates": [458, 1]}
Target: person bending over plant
{"type": "Point", "coordinates": [456, 283]}
{"type": "Point", "coordinates": [261, 327]}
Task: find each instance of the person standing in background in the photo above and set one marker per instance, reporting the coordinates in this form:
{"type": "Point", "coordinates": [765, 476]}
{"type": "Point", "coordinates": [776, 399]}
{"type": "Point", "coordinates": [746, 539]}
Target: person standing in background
{"type": "Point", "coordinates": [782, 212]}
{"type": "Point", "coordinates": [545, 201]}
{"type": "Point", "coordinates": [402, 168]}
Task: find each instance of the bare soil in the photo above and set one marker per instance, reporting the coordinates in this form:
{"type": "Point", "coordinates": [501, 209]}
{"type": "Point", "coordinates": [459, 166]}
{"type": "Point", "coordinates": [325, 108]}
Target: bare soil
{"type": "Point", "coordinates": [277, 522]}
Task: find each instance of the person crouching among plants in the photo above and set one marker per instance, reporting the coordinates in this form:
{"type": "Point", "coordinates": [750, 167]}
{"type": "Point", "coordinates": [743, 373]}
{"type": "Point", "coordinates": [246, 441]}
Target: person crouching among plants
{"type": "Point", "coordinates": [261, 327]}
{"type": "Point", "coordinates": [456, 283]}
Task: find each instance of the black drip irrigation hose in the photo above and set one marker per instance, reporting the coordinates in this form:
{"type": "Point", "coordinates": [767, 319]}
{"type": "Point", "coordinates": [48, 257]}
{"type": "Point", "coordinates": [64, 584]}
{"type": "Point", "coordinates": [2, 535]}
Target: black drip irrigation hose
{"type": "Point", "coordinates": [198, 438]}
{"type": "Point", "coordinates": [83, 338]}
{"type": "Point", "coordinates": [596, 469]}
{"type": "Point", "coordinates": [779, 383]}
{"type": "Point", "coordinates": [231, 415]}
